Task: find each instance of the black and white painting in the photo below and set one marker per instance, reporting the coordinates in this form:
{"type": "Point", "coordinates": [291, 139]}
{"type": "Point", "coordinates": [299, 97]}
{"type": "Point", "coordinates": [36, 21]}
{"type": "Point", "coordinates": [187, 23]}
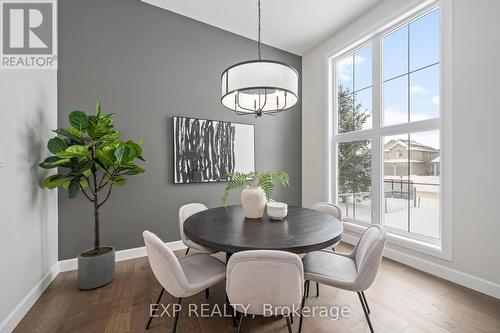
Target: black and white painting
{"type": "Point", "coordinates": [208, 150]}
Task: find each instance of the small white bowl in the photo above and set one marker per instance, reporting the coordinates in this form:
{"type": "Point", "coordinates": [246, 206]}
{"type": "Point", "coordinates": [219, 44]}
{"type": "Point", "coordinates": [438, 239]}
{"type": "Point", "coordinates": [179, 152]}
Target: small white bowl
{"type": "Point", "coordinates": [277, 210]}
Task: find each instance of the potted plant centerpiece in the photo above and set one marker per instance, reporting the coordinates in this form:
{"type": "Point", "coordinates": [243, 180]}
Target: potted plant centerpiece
{"type": "Point", "coordinates": [91, 159]}
{"type": "Point", "coordinates": [259, 188]}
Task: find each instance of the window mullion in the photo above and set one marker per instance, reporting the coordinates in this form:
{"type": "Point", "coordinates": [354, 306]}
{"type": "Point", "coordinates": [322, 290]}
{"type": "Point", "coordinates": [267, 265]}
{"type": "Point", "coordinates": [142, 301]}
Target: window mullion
{"type": "Point", "coordinates": [376, 140]}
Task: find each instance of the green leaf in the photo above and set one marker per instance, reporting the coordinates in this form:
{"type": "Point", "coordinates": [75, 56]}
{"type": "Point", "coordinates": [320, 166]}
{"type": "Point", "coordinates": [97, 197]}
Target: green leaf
{"type": "Point", "coordinates": [108, 120]}
{"type": "Point", "coordinates": [93, 129]}
{"type": "Point", "coordinates": [56, 145]}
{"type": "Point", "coordinates": [64, 162]}
{"type": "Point", "coordinates": [137, 148]}
{"type": "Point", "coordinates": [75, 151]}
{"type": "Point", "coordinates": [236, 180]}
{"type": "Point", "coordinates": [79, 120]}
{"type": "Point", "coordinates": [74, 188]}
{"type": "Point", "coordinates": [124, 154]}
{"type": "Point", "coordinates": [134, 170]}
{"type": "Point", "coordinates": [55, 181]}
{"type": "Point", "coordinates": [75, 132]}
{"type": "Point", "coordinates": [50, 162]}
{"type": "Point", "coordinates": [112, 136]}
{"type": "Point", "coordinates": [97, 108]}
{"type": "Point", "coordinates": [68, 134]}
{"type": "Point", "coordinates": [84, 184]}
{"type": "Point", "coordinates": [120, 181]}
{"type": "Point", "coordinates": [85, 165]}
{"type": "Point", "coordinates": [106, 158]}
{"type": "Point", "coordinates": [65, 185]}
{"type": "Point", "coordinates": [82, 167]}
{"type": "Point", "coordinates": [100, 126]}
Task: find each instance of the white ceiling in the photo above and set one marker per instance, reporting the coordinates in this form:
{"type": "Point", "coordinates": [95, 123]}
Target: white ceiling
{"type": "Point", "coordinates": [292, 25]}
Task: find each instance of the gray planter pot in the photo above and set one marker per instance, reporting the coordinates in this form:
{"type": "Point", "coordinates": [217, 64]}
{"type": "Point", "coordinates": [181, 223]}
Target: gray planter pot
{"type": "Point", "coordinates": [95, 272]}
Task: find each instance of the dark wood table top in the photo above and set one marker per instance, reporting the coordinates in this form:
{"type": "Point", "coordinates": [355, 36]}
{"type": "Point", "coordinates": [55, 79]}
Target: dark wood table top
{"type": "Point", "coordinates": [303, 230]}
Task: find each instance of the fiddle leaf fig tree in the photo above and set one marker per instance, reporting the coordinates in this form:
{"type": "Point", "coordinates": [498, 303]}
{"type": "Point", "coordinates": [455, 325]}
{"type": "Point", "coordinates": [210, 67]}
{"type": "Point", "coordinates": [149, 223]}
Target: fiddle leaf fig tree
{"type": "Point", "coordinates": [91, 159]}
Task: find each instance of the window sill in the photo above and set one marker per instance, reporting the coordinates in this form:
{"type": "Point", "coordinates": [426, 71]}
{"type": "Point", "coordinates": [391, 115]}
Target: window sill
{"type": "Point", "coordinates": [413, 242]}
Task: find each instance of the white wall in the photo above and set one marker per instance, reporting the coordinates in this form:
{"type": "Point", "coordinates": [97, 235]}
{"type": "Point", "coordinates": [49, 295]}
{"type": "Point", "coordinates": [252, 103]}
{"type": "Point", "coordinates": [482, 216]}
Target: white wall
{"type": "Point", "coordinates": [475, 124]}
{"type": "Point", "coordinates": [28, 213]}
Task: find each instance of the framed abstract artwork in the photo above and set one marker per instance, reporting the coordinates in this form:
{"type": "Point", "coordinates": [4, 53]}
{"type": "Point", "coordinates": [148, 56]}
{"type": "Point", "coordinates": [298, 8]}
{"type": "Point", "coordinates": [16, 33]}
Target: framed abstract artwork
{"type": "Point", "coordinates": [208, 150]}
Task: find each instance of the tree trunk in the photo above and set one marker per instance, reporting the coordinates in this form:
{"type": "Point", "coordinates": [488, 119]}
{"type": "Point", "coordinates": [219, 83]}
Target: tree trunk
{"type": "Point", "coordinates": [97, 240]}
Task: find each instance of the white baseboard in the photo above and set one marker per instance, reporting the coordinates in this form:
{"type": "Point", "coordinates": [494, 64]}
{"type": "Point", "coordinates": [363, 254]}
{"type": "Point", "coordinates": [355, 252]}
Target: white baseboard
{"type": "Point", "coordinates": [25, 305]}
{"type": "Point", "coordinates": [137, 252]}
{"type": "Point", "coordinates": [450, 274]}
{"type": "Point", "coordinates": [22, 308]}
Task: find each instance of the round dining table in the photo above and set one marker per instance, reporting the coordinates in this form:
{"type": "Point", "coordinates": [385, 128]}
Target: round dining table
{"type": "Point", "coordinates": [226, 229]}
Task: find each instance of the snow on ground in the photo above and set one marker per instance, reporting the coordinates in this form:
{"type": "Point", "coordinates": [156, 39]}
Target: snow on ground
{"type": "Point", "coordinates": [424, 218]}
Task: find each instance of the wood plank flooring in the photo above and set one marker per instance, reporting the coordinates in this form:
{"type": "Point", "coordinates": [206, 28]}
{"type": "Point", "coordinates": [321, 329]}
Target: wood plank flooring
{"type": "Point", "coordinates": [402, 299]}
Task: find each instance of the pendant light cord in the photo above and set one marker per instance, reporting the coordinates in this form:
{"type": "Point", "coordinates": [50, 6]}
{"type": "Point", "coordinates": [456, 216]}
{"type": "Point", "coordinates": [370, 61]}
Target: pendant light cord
{"type": "Point", "coordinates": [258, 34]}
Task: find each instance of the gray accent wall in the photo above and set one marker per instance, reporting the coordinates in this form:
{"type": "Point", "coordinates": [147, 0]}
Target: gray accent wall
{"type": "Point", "coordinates": [146, 65]}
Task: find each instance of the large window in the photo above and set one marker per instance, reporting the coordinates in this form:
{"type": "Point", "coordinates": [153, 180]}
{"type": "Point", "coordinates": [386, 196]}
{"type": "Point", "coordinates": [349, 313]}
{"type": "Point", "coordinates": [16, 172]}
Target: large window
{"type": "Point", "coordinates": [387, 129]}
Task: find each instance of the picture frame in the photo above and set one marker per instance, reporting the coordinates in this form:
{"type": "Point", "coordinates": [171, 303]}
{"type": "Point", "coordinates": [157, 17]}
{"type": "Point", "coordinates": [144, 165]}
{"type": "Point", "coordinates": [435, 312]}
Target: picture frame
{"type": "Point", "coordinates": [206, 151]}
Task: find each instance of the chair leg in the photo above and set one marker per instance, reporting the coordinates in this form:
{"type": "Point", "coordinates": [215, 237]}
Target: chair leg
{"type": "Point", "coordinates": [366, 303]}
{"type": "Point", "coordinates": [207, 293]}
{"type": "Point", "coordinates": [317, 289]}
{"type": "Point", "coordinates": [288, 324]}
{"type": "Point", "coordinates": [174, 328]}
{"type": "Point", "coordinates": [302, 307]}
{"type": "Point", "coordinates": [365, 311]}
{"type": "Point", "coordinates": [307, 289]}
{"type": "Point", "coordinates": [157, 302]}
{"type": "Point", "coordinates": [240, 324]}
{"type": "Point", "coordinates": [187, 251]}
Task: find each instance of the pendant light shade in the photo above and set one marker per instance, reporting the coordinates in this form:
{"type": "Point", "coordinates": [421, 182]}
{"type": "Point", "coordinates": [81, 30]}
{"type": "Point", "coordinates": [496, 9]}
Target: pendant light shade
{"type": "Point", "coordinates": [259, 87]}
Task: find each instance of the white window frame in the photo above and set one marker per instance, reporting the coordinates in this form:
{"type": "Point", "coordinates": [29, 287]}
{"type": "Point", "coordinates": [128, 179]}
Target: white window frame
{"type": "Point", "coordinates": [442, 247]}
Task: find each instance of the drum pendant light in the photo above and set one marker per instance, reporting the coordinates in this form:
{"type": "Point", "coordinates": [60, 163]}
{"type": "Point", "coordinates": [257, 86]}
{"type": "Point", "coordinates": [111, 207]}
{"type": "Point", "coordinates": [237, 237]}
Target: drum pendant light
{"type": "Point", "coordinates": [258, 87]}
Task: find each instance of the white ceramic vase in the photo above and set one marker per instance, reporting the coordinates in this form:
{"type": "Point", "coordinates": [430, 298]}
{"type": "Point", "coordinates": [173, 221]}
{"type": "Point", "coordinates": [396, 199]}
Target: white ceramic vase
{"type": "Point", "coordinates": [253, 201]}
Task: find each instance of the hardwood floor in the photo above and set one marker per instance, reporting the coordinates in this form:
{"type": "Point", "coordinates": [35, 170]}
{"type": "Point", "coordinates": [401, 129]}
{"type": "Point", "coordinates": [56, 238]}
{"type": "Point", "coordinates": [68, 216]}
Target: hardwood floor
{"type": "Point", "coordinates": [401, 299]}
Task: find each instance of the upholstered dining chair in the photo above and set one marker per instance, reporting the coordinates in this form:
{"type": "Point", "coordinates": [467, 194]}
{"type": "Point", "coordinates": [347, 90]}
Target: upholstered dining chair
{"type": "Point", "coordinates": [354, 271]}
{"type": "Point", "coordinates": [330, 209]}
{"type": "Point", "coordinates": [185, 212]}
{"type": "Point", "coordinates": [265, 278]}
{"type": "Point", "coordinates": [181, 277]}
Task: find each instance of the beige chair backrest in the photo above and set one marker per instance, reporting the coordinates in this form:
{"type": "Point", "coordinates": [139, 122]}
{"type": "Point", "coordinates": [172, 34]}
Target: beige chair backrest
{"type": "Point", "coordinates": [265, 278]}
{"type": "Point", "coordinates": [368, 254]}
{"type": "Point", "coordinates": [185, 212]}
{"type": "Point", "coordinates": [165, 265]}
{"type": "Point", "coordinates": [328, 208]}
